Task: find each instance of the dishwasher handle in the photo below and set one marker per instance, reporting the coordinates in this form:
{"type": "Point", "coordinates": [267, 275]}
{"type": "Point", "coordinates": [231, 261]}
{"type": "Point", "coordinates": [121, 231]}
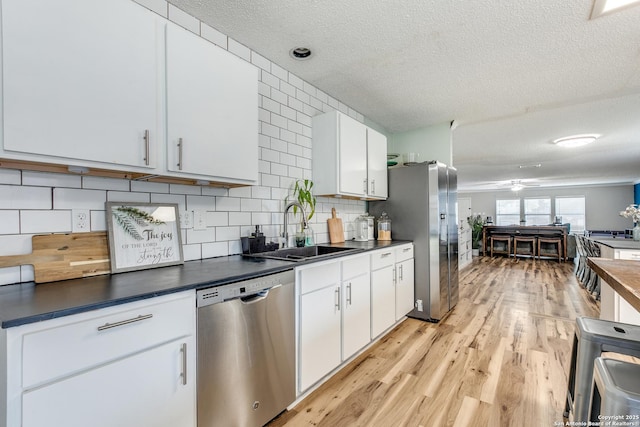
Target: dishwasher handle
{"type": "Point", "coordinates": [258, 296]}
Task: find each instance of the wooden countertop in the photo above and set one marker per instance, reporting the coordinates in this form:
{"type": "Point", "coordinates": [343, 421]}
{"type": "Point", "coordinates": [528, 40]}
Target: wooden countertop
{"type": "Point", "coordinates": [622, 275]}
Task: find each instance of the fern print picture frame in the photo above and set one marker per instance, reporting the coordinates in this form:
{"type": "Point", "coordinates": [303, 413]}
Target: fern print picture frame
{"type": "Point", "coordinates": [143, 235]}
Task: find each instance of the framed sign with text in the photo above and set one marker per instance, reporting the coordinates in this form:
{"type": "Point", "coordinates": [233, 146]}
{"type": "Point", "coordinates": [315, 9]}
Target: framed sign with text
{"type": "Point", "coordinates": [143, 235]}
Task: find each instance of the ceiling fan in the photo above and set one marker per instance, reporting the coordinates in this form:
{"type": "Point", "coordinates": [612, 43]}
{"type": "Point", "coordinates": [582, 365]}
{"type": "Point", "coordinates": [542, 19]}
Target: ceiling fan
{"type": "Point", "coordinates": [518, 184]}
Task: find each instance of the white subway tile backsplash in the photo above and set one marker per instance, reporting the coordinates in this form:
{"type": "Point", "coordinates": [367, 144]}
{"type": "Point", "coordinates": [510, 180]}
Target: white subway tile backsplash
{"type": "Point", "coordinates": [296, 104]}
{"type": "Point", "coordinates": [211, 250]}
{"type": "Point", "coordinates": [170, 198]}
{"type": "Point", "coordinates": [10, 176]}
{"type": "Point", "coordinates": [279, 96]}
{"type": "Point", "coordinates": [295, 127]}
{"type": "Point", "coordinates": [45, 179]}
{"type": "Point", "coordinates": [277, 169]}
{"type": "Point", "coordinates": [270, 105]}
{"type": "Point", "coordinates": [287, 112]}
{"type": "Point", "coordinates": [333, 103]}
{"type": "Point", "coordinates": [71, 198]}
{"type": "Point", "coordinates": [216, 219]}
{"type": "Point", "coordinates": [269, 79]}
{"type": "Point", "coordinates": [235, 247]}
{"type": "Point", "coordinates": [213, 35]}
{"type": "Point", "coordinates": [264, 89]}
{"type": "Point", "coordinates": [295, 172]}
{"type": "Point", "coordinates": [269, 155]}
{"type": "Point", "coordinates": [302, 96]}
{"type": "Point", "coordinates": [303, 119]}
{"type": "Point", "coordinates": [205, 203]}
{"type": "Point", "coordinates": [201, 236]}
{"type": "Point", "coordinates": [287, 159]}
{"type": "Point", "coordinates": [185, 189]}
{"type": "Point", "coordinates": [269, 205]}
{"type": "Point", "coordinates": [296, 81]}
{"type": "Point", "coordinates": [269, 130]}
{"type": "Point", "coordinates": [239, 218]}
{"type": "Point", "coordinates": [269, 180]}
{"type": "Point", "coordinates": [323, 97]}
{"type": "Point", "coordinates": [100, 183]}
{"type": "Point", "coordinates": [250, 205]}
{"type": "Point", "coordinates": [183, 19]}
{"type": "Point", "coordinates": [303, 163]}
{"type": "Point", "coordinates": [15, 244]}
{"type": "Point", "coordinates": [121, 196]}
{"type": "Point", "coordinates": [260, 61]}
{"type": "Point", "coordinates": [10, 222]}
{"type": "Point", "coordinates": [192, 252]}
{"type": "Point", "coordinates": [149, 187]}
{"type": "Point", "coordinates": [258, 192]}
{"type": "Point", "coordinates": [39, 221]}
{"type": "Point", "coordinates": [228, 233]}
{"type": "Point", "coordinates": [310, 89]}
{"type": "Point", "coordinates": [228, 204]}
{"type": "Point", "coordinates": [278, 120]}
{"type": "Point", "coordinates": [260, 218]}
{"type": "Point", "coordinates": [214, 191]}
{"type": "Point", "coordinates": [287, 135]}
{"type": "Point", "coordinates": [10, 275]}
{"type": "Point", "coordinates": [17, 197]}
{"type": "Point", "coordinates": [264, 167]}
{"type": "Point", "coordinates": [264, 115]}
{"type": "Point", "coordinates": [279, 72]}
{"type": "Point", "coordinates": [278, 145]}
{"type": "Point", "coordinates": [239, 49]}
{"type": "Point", "coordinates": [240, 192]}
{"type": "Point", "coordinates": [158, 6]}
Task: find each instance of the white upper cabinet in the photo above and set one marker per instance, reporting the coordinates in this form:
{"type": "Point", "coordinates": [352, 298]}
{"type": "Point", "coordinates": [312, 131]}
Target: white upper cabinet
{"type": "Point", "coordinates": [376, 164]}
{"type": "Point", "coordinates": [81, 81]}
{"type": "Point", "coordinates": [349, 159]}
{"type": "Point", "coordinates": [212, 110]}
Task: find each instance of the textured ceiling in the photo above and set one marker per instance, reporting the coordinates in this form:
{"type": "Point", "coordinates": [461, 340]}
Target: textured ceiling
{"type": "Point", "coordinates": [514, 75]}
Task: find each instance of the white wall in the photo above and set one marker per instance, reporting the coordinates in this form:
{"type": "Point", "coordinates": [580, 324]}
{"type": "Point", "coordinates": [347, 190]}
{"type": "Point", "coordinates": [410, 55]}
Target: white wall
{"type": "Point", "coordinates": [39, 203]}
{"type": "Point", "coordinates": [431, 143]}
{"type": "Point", "coordinates": [603, 203]}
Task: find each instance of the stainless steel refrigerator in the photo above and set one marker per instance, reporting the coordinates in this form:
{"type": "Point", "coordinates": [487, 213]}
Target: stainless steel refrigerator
{"type": "Point", "coordinates": [422, 206]}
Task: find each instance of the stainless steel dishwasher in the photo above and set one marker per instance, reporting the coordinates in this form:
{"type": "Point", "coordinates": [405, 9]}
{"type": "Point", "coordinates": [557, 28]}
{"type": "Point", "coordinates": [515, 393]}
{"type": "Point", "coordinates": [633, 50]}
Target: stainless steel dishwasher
{"type": "Point", "coordinates": [246, 351]}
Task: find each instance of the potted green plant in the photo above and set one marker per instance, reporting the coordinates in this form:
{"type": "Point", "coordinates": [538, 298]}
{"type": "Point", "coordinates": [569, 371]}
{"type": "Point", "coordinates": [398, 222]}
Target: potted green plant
{"type": "Point", "coordinates": [302, 193]}
{"type": "Point", "coordinates": [476, 222]}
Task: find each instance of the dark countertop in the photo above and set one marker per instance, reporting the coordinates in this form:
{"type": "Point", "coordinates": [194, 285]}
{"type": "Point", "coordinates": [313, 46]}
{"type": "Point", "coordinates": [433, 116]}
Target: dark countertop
{"type": "Point", "coordinates": [27, 302]}
{"type": "Point", "coordinates": [619, 243]}
{"type": "Point", "coordinates": [622, 275]}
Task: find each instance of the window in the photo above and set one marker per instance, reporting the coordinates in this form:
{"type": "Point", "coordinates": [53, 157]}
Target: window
{"type": "Point", "coordinates": [537, 211]}
{"type": "Point", "coordinates": [572, 209]}
{"type": "Point", "coordinates": [508, 212]}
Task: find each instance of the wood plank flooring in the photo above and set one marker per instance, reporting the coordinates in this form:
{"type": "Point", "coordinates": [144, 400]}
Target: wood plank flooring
{"type": "Point", "coordinates": [500, 358]}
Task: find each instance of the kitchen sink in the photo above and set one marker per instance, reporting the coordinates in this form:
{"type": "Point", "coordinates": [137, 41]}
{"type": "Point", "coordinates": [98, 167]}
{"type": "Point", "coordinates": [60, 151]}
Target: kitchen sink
{"type": "Point", "coordinates": [304, 253]}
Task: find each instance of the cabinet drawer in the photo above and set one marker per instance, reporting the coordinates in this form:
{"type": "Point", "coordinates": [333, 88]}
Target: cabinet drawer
{"type": "Point", "coordinates": [319, 276]}
{"type": "Point", "coordinates": [628, 255]}
{"type": "Point", "coordinates": [355, 266]}
{"type": "Point", "coordinates": [382, 258]}
{"type": "Point", "coordinates": [404, 253]}
{"type": "Point", "coordinates": [80, 341]}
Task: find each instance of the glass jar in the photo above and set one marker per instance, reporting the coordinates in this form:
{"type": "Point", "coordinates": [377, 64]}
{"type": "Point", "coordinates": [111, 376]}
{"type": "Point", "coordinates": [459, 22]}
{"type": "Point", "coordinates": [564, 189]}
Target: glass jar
{"type": "Point", "coordinates": [309, 239]}
{"type": "Point", "coordinates": [384, 227]}
{"type": "Point", "coordinates": [361, 226]}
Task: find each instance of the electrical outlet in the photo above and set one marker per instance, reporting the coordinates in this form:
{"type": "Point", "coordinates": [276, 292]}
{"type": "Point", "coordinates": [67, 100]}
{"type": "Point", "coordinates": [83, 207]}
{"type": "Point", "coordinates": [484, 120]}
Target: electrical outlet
{"type": "Point", "coordinates": [80, 220]}
{"type": "Point", "coordinates": [186, 219]}
{"type": "Point", "coordinates": [199, 220]}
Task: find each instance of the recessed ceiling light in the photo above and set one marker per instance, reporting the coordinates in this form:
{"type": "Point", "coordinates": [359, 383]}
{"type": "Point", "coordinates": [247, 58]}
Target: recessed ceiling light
{"type": "Point", "coordinates": [575, 140]}
{"type": "Point", "coordinates": [300, 53]}
{"type": "Point", "coordinates": [602, 7]}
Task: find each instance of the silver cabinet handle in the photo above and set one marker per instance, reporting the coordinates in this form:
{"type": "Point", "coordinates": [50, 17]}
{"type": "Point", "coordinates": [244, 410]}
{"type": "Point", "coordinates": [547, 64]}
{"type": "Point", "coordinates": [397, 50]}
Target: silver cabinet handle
{"type": "Point", "coordinates": [337, 298]}
{"type": "Point", "coordinates": [180, 145]}
{"type": "Point", "coordinates": [406, 249]}
{"type": "Point", "coordinates": [125, 322]}
{"type": "Point", "coordinates": [183, 350]}
{"type": "Point", "coordinates": [364, 186]}
{"type": "Point", "coordinates": [349, 293]}
{"type": "Point", "coordinates": [385, 254]}
{"type": "Point", "coordinates": [373, 186]}
{"type": "Point", "coordinates": [401, 274]}
{"type": "Point", "coordinates": [395, 275]}
{"type": "Point", "coordinates": [146, 147]}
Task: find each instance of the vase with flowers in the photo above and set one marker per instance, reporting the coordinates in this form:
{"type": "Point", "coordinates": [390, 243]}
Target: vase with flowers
{"type": "Point", "coordinates": [633, 212]}
{"type": "Point", "coordinates": [476, 222]}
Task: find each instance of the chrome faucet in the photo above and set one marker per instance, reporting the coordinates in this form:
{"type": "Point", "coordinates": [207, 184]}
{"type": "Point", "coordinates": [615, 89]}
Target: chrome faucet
{"type": "Point", "coordinates": [285, 233]}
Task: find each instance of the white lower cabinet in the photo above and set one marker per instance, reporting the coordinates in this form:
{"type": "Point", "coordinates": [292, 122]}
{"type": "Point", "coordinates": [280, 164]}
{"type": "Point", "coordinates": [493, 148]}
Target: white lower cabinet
{"type": "Point", "coordinates": [404, 272]}
{"type": "Point", "coordinates": [383, 291]}
{"type": "Point", "coordinates": [129, 365]}
{"type": "Point", "coordinates": [334, 315]}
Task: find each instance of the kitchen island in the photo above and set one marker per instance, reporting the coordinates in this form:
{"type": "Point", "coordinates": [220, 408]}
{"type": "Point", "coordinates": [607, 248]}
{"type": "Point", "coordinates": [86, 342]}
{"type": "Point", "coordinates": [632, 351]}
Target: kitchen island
{"type": "Point", "coordinates": [620, 289]}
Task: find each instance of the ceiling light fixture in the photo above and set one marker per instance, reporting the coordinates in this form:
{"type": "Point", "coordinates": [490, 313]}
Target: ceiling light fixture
{"type": "Point", "coordinates": [575, 140]}
{"type": "Point", "coordinates": [300, 53]}
{"type": "Point", "coordinates": [602, 7]}
{"type": "Point", "coordinates": [537, 165]}
{"type": "Point", "coordinates": [516, 186]}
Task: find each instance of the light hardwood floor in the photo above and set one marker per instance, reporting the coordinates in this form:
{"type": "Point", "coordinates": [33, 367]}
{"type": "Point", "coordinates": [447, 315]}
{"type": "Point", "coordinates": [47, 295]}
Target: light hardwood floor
{"type": "Point", "coordinates": [500, 358]}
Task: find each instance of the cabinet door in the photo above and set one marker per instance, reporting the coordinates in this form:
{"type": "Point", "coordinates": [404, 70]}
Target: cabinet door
{"type": "Point", "coordinates": [212, 110]}
{"type": "Point", "coordinates": [383, 300]}
{"type": "Point", "coordinates": [81, 80]}
{"type": "Point", "coordinates": [319, 334]}
{"type": "Point", "coordinates": [404, 288]}
{"type": "Point", "coordinates": [356, 316]}
{"type": "Point", "coordinates": [145, 389]}
{"type": "Point", "coordinates": [377, 164]}
{"type": "Point", "coordinates": [352, 156]}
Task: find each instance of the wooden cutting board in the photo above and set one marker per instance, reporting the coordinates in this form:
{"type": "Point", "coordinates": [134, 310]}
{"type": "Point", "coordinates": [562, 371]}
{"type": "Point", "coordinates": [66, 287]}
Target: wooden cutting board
{"type": "Point", "coordinates": [64, 256]}
{"type": "Point", "coordinates": [336, 232]}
